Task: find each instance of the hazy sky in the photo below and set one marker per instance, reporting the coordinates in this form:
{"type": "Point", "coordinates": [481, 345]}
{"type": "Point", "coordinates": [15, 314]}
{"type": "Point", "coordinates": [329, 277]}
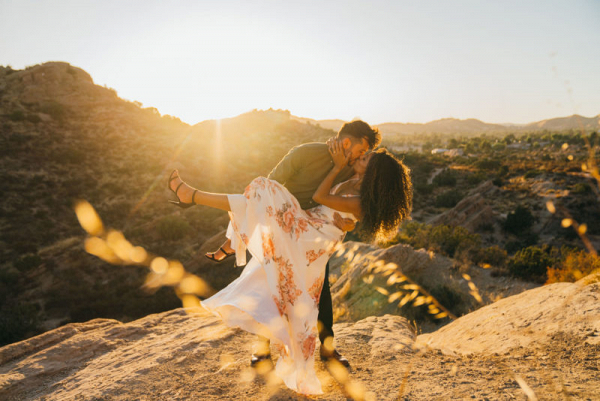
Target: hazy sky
{"type": "Point", "coordinates": [405, 61]}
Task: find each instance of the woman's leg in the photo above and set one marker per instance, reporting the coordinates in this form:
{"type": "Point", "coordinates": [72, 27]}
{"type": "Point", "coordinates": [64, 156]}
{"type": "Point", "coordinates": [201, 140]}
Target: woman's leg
{"type": "Point", "coordinates": [186, 193]}
{"type": "Point", "coordinates": [219, 255]}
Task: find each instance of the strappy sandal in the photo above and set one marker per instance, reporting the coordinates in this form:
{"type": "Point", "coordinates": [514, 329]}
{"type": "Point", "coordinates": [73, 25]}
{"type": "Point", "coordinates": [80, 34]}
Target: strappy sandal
{"type": "Point", "coordinates": [214, 259]}
{"type": "Point", "coordinates": [179, 203]}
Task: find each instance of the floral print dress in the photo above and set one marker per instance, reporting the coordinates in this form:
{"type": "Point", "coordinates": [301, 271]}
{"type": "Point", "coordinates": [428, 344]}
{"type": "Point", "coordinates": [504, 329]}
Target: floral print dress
{"type": "Point", "coordinates": [277, 294]}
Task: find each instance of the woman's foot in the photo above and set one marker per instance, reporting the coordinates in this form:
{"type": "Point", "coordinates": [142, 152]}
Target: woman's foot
{"type": "Point", "coordinates": [222, 253]}
{"type": "Point", "coordinates": [183, 191]}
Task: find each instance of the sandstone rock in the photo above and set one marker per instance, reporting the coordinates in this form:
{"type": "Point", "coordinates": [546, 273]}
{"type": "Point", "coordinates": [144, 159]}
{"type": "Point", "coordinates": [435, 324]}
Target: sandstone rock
{"type": "Point", "coordinates": [355, 284]}
{"type": "Point", "coordinates": [106, 359]}
{"type": "Point", "coordinates": [520, 320]}
{"type": "Point", "coordinates": [472, 211]}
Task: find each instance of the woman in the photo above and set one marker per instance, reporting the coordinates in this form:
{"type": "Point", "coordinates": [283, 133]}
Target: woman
{"type": "Point", "coordinates": [277, 294]}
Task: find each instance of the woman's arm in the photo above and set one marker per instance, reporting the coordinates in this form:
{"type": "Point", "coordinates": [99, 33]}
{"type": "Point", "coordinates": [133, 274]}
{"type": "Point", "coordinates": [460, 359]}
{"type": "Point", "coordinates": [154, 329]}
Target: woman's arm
{"type": "Point", "coordinates": [337, 202]}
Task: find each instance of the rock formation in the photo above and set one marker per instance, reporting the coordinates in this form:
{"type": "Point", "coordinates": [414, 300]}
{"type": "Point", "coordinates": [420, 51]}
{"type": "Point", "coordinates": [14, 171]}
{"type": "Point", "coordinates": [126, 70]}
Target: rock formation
{"type": "Point", "coordinates": [472, 211]}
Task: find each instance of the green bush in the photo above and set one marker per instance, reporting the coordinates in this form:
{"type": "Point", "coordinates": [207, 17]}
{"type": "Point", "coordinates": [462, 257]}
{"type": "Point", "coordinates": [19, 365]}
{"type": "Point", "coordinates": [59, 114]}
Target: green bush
{"type": "Point", "coordinates": [9, 277]}
{"type": "Point", "coordinates": [531, 264]}
{"type": "Point", "coordinates": [172, 228]}
{"type": "Point", "coordinates": [56, 110]}
{"type": "Point", "coordinates": [18, 321]}
{"type": "Point", "coordinates": [34, 118]}
{"type": "Point", "coordinates": [423, 188]}
{"type": "Point", "coordinates": [487, 227]}
{"type": "Point", "coordinates": [448, 199]}
{"type": "Point", "coordinates": [582, 188]}
{"type": "Point", "coordinates": [27, 262]}
{"type": "Point", "coordinates": [519, 221]}
{"type": "Point", "coordinates": [498, 182]}
{"type": "Point", "coordinates": [498, 147]}
{"type": "Point", "coordinates": [574, 265]}
{"type": "Point", "coordinates": [531, 174]}
{"type": "Point", "coordinates": [450, 299]}
{"type": "Point", "coordinates": [476, 178]}
{"type": "Point", "coordinates": [488, 164]}
{"type": "Point", "coordinates": [451, 240]}
{"type": "Point", "coordinates": [445, 179]}
{"type": "Point", "coordinates": [17, 115]}
{"type": "Point", "coordinates": [493, 255]}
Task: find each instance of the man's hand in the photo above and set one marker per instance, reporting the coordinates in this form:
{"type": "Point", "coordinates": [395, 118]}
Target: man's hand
{"type": "Point", "coordinates": [344, 224]}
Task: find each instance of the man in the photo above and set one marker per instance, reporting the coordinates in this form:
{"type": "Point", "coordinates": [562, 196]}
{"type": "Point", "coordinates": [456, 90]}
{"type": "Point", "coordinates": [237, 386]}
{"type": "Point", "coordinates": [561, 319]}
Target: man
{"type": "Point", "coordinates": [301, 171]}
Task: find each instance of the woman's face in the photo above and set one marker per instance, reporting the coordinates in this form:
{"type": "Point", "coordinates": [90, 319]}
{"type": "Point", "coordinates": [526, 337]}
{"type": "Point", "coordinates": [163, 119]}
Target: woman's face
{"type": "Point", "coordinates": [361, 164]}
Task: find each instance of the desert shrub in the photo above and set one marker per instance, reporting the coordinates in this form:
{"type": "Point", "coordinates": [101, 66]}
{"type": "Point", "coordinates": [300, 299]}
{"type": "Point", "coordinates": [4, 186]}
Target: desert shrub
{"type": "Point", "coordinates": [519, 221]}
{"type": "Point", "coordinates": [34, 118]}
{"type": "Point", "coordinates": [8, 277]}
{"type": "Point", "coordinates": [498, 146]}
{"type": "Point", "coordinates": [445, 179]}
{"type": "Point", "coordinates": [487, 227]}
{"type": "Point", "coordinates": [17, 321]}
{"type": "Point", "coordinates": [493, 255]}
{"type": "Point", "coordinates": [54, 109]}
{"type": "Point", "coordinates": [448, 198]}
{"type": "Point", "coordinates": [423, 188]}
{"type": "Point", "coordinates": [17, 115]}
{"type": "Point", "coordinates": [488, 164]}
{"type": "Point", "coordinates": [530, 264]}
{"type": "Point", "coordinates": [18, 139]}
{"type": "Point", "coordinates": [173, 228]}
{"type": "Point", "coordinates": [528, 238]}
{"type": "Point", "coordinates": [72, 155]}
{"type": "Point", "coordinates": [582, 188]}
{"type": "Point", "coordinates": [27, 262]}
{"type": "Point", "coordinates": [498, 181]}
{"type": "Point", "coordinates": [476, 178]}
{"type": "Point", "coordinates": [575, 265]}
{"type": "Point", "coordinates": [531, 174]}
{"type": "Point", "coordinates": [450, 240]}
{"type": "Point", "coordinates": [450, 298]}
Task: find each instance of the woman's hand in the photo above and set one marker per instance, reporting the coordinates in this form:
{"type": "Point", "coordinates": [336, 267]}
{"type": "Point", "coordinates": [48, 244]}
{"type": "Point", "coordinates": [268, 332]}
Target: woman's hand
{"type": "Point", "coordinates": [340, 160]}
{"type": "Point", "coordinates": [343, 224]}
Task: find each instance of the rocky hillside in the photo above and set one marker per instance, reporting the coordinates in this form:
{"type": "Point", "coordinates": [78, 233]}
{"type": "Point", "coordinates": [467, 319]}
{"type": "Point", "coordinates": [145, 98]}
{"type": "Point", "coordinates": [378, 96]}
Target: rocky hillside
{"type": "Point", "coordinates": [541, 344]}
{"type": "Point", "coordinates": [62, 138]}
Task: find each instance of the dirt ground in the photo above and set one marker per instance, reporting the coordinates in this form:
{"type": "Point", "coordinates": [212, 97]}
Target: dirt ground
{"type": "Point", "coordinates": [174, 356]}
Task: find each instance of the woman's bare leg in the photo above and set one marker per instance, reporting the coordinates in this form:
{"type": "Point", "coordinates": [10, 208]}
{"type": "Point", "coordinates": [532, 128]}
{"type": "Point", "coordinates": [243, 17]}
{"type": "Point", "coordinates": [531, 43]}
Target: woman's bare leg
{"type": "Point", "coordinates": [185, 193]}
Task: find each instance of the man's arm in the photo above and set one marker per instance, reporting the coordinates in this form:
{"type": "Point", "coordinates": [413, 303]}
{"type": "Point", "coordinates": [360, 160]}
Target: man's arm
{"type": "Point", "coordinates": [287, 167]}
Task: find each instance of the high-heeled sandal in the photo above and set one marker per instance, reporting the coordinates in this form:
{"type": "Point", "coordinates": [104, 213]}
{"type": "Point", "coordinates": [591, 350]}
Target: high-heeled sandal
{"type": "Point", "coordinates": [179, 203]}
{"type": "Point", "coordinates": [214, 259]}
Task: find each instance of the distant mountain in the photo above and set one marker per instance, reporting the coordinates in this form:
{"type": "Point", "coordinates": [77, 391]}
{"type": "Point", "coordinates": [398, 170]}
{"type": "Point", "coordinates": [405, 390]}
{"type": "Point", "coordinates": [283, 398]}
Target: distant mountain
{"type": "Point", "coordinates": [444, 125]}
{"type": "Point", "coordinates": [334, 125]}
{"type": "Point", "coordinates": [564, 123]}
{"type": "Point", "coordinates": [470, 125]}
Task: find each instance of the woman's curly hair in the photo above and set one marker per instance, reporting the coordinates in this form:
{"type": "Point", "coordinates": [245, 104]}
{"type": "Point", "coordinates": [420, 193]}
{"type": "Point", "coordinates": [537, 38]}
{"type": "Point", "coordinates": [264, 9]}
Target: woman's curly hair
{"type": "Point", "coordinates": [385, 196]}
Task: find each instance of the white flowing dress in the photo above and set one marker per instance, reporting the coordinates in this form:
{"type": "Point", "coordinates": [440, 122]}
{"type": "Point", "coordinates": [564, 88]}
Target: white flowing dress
{"type": "Point", "coordinates": [277, 294]}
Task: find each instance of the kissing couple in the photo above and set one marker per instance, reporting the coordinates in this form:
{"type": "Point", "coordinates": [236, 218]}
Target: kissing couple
{"type": "Point", "coordinates": [290, 223]}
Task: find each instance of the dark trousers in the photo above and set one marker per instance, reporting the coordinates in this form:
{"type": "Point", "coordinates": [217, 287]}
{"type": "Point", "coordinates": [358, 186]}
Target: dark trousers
{"type": "Point", "coordinates": [325, 310]}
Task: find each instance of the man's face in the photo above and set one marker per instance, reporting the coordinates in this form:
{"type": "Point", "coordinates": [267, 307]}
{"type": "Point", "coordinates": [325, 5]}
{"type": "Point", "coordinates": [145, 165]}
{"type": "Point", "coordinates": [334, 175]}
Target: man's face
{"type": "Point", "coordinates": [355, 149]}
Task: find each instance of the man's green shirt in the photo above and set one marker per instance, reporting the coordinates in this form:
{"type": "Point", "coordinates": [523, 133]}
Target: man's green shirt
{"type": "Point", "coordinates": [303, 169]}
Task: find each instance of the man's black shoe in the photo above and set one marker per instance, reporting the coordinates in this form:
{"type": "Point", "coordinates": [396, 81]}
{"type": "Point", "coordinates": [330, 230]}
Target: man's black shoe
{"type": "Point", "coordinates": [256, 359]}
{"type": "Point", "coordinates": [325, 356]}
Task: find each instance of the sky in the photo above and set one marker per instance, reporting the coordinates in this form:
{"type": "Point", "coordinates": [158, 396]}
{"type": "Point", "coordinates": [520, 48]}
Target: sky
{"type": "Point", "coordinates": [383, 61]}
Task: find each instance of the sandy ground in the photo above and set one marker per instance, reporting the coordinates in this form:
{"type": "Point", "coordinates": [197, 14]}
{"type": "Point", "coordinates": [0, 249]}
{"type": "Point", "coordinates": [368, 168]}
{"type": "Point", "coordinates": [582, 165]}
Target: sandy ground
{"type": "Point", "coordinates": [176, 356]}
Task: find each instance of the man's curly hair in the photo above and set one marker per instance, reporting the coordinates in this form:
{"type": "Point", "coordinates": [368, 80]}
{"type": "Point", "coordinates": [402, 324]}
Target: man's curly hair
{"type": "Point", "coordinates": [385, 196]}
